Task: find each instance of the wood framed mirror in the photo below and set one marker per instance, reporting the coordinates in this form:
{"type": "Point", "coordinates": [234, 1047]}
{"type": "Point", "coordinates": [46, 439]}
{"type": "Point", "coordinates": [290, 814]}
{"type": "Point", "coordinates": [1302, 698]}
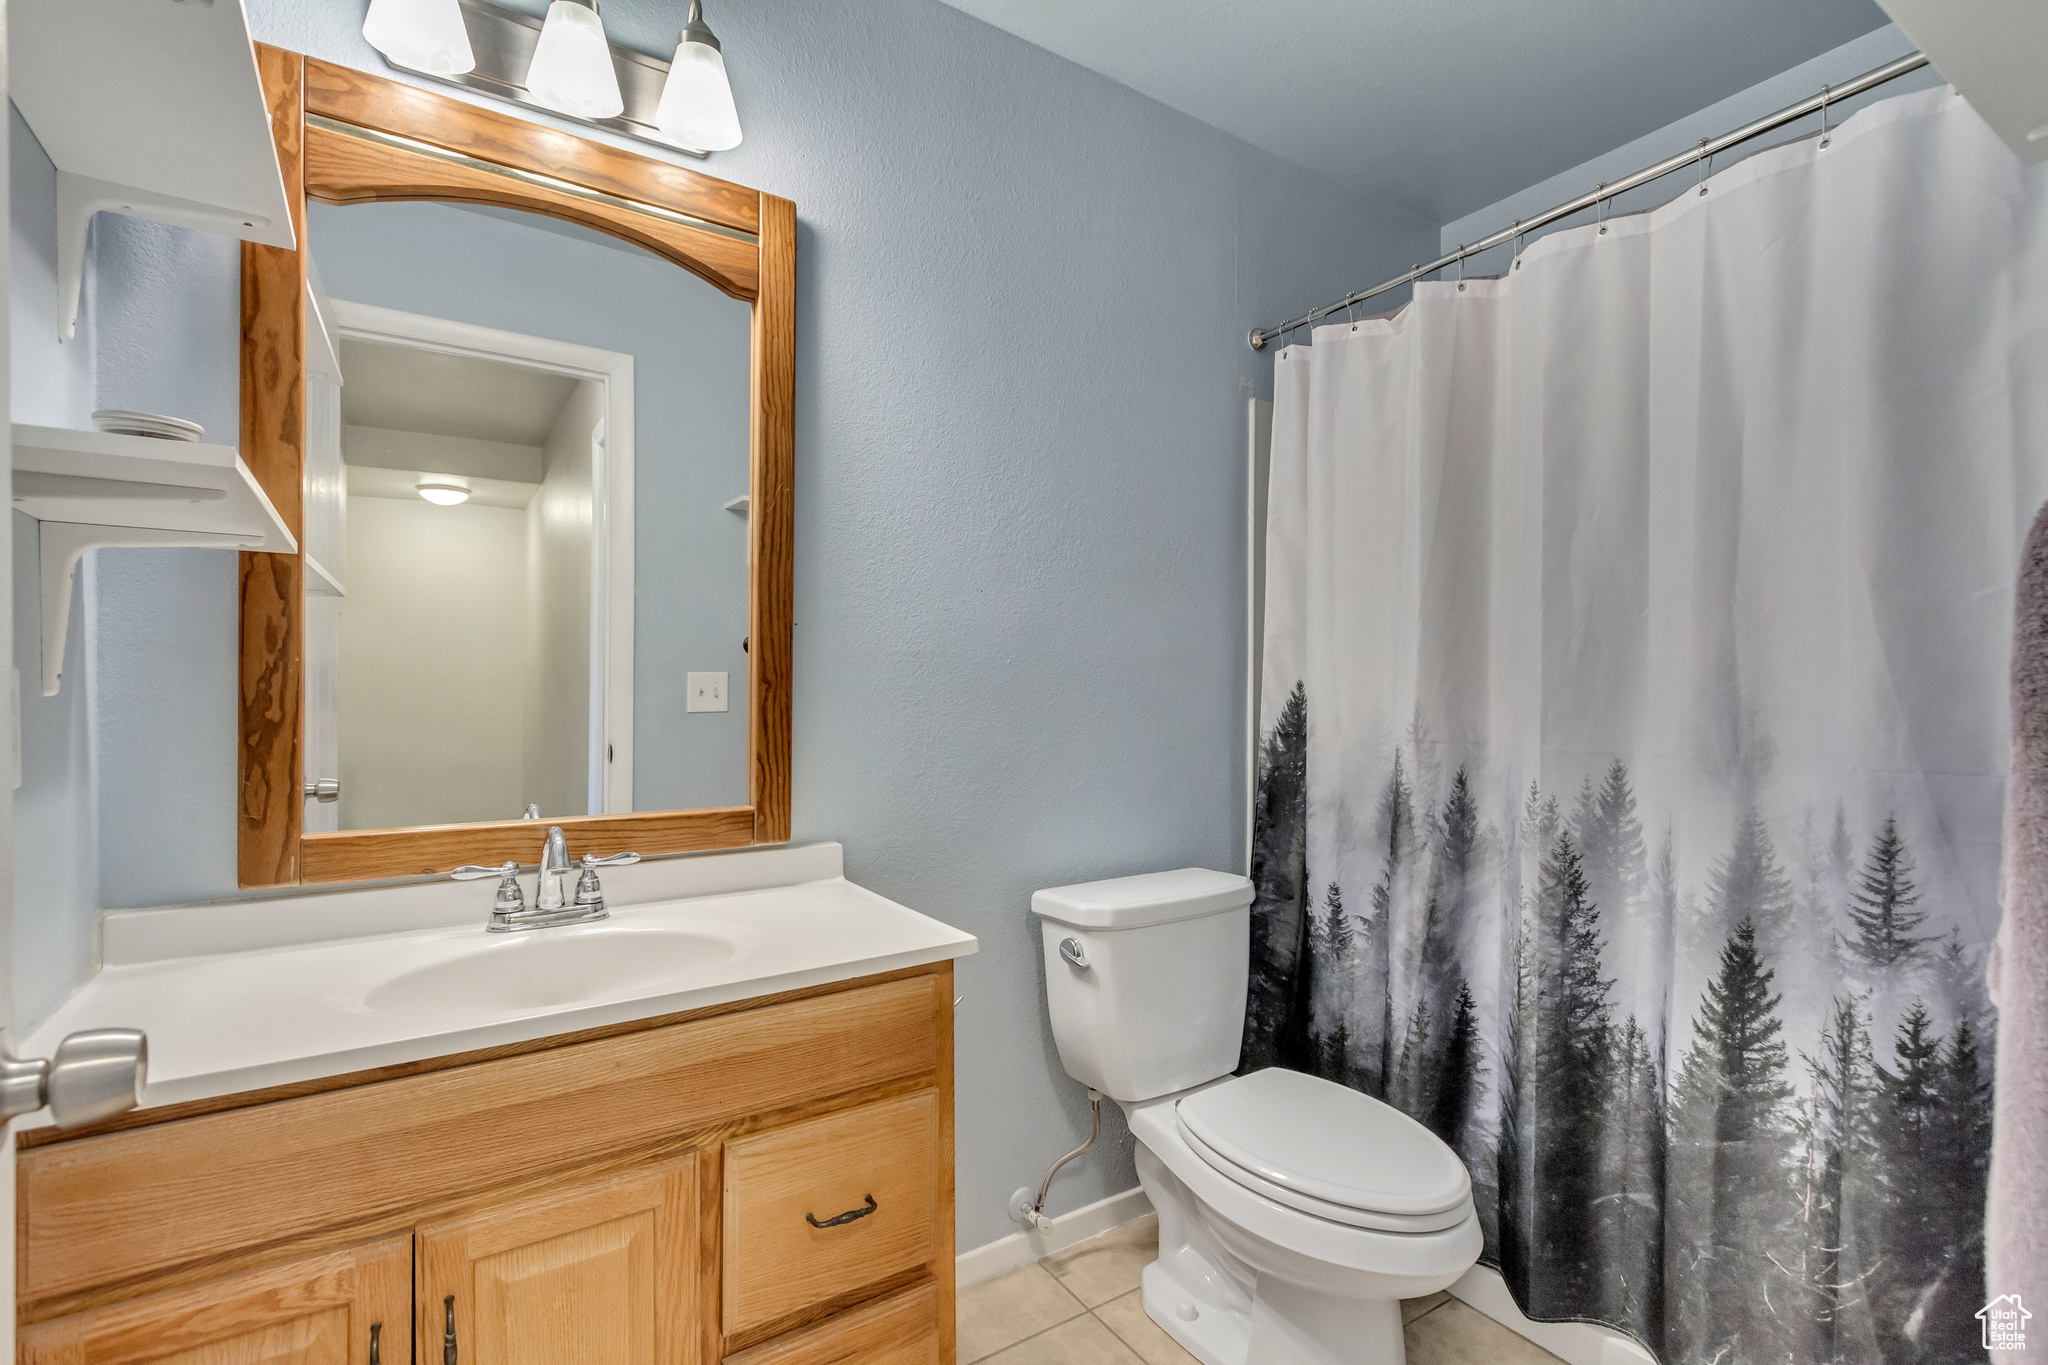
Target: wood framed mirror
{"type": "Point", "coordinates": [345, 138]}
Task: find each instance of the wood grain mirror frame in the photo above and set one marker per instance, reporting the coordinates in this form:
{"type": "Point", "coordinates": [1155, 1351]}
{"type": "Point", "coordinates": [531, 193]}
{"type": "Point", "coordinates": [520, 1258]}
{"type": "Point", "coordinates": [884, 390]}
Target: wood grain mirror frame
{"type": "Point", "coordinates": [344, 137]}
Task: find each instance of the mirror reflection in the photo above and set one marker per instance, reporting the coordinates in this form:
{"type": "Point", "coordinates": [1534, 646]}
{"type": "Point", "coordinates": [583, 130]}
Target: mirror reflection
{"type": "Point", "coordinates": [526, 523]}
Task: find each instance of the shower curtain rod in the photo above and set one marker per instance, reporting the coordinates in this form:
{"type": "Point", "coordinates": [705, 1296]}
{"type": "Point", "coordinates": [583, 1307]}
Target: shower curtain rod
{"type": "Point", "coordinates": [1707, 149]}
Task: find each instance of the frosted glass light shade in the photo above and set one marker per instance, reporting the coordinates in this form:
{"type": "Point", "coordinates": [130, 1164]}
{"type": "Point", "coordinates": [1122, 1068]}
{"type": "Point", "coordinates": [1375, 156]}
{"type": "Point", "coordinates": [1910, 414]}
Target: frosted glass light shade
{"type": "Point", "coordinates": [426, 35]}
{"type": "Point", "coordinates": [696, 108]}
{"type": "Point", "coordinates": [572, 65]}
{"type": "Point", "coordinates": [443, 494]}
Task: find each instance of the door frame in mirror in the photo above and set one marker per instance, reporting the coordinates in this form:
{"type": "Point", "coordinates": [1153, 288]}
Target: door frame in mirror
{"type": "Point", "coordinates": [347, 137]}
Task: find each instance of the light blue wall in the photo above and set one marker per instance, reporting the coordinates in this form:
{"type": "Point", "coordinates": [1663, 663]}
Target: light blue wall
{"type": "Point", "coordinates": [1021, 374]}
{"type": "Point", "coordinates": [1833, 67]}
{"type": "Point", "coordinates": [690, 345]}
{"type": "Point", "coordinates": [56, 870]}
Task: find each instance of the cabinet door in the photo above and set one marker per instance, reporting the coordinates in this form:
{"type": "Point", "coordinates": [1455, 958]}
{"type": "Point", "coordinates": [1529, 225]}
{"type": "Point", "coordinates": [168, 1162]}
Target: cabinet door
{"type": "Point", "coordinates": [324, 1310]}
{"type": "Point", "coordinates": [597, 1271]}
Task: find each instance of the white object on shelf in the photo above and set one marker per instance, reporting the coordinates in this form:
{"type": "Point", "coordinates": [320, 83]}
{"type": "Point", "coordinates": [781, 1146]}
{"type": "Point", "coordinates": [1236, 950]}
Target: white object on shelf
{"type": "Point", "coordinates": [741, 504]}
{"type": "Point", "coordinates": [151, 109]}
{"type": "Point", "coordinates": [319, 582]}
{"type": "Point", "coordinates": [95, 489]}
{"type": "Point", "coordinates": [127, 422]}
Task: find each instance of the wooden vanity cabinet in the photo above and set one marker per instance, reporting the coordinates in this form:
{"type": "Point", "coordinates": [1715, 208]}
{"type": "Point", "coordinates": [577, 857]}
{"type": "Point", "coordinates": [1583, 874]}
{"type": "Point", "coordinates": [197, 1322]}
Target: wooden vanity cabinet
{"type": "Point", "coordinates": [765, 1183]}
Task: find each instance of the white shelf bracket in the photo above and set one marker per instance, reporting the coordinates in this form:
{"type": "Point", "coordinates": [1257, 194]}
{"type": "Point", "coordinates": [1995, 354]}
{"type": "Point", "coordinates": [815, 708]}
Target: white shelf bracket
{"type": "Point", "coordinates": [64, 543]}
{"type": "Point", "coordinates": [79, 197]}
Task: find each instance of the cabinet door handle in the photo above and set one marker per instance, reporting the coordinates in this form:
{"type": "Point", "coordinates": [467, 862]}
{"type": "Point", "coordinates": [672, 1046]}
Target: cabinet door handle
{"type": "Point", "coordinates": [812, 1219]}
{"type": "Point", "coordinates": [448, 1341]}
{"type": "Point", "coordinates": [376, 1330]}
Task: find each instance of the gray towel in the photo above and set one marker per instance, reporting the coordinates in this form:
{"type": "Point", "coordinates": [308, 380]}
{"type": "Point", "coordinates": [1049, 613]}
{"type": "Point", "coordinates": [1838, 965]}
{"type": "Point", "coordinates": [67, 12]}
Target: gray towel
{"type": "Point", "coordinates": [2016, 1227]}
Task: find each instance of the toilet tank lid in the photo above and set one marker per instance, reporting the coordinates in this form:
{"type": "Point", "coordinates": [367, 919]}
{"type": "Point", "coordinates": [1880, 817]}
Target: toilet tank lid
{"type": "Point", "coordinates": [1153, 898]}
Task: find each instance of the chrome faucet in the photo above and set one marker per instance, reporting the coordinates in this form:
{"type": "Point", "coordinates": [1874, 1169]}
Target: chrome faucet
{"type": "Point", "coordinates": [554, 865]}
{"type": "Point", "coordinates": [550, 905]}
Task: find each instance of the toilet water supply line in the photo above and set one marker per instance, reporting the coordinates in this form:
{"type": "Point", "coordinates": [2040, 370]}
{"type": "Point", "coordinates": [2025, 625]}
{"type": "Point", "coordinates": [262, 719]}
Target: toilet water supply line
{"type": "Point", "coordinates": [1033, 1215]}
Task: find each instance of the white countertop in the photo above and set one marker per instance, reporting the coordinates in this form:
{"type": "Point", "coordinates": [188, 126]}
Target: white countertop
{"type": "Point", "coordinates": [243, 995]}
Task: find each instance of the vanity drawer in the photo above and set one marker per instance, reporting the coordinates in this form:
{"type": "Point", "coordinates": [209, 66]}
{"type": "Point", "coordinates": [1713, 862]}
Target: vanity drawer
{"type": "Point", "coordinates": [100, 1209]}
{"type": "Point", "coordinates": [902, 1329]}
{"type": "Point", "coordinates": [821, 1209]}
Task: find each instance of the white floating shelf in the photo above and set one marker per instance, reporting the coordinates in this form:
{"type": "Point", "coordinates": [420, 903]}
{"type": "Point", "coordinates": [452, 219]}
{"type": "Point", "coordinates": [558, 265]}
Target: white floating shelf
{"type": "Point", "coordinates": [741, 505]}
{"type": "Point", "coordinates": [92, 490]}
{"type": "Point", "coordinates": [148, 108]}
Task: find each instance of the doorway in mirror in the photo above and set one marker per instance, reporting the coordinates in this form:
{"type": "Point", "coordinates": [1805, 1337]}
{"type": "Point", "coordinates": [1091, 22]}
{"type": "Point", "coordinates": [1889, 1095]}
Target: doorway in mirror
{"type": "Point", "coordinates": [486, 495]}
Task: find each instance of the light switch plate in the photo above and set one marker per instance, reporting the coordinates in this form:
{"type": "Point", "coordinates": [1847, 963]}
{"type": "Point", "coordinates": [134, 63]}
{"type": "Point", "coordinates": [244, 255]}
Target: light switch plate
{"type": "Point", "coordinates": [707, 691]}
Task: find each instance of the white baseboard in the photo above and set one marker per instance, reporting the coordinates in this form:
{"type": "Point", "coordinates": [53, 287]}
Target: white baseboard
{"type": "Point", "coordinates": [1020, 1249]}
{"type": "Point", "coordinates": [1579, 1343]}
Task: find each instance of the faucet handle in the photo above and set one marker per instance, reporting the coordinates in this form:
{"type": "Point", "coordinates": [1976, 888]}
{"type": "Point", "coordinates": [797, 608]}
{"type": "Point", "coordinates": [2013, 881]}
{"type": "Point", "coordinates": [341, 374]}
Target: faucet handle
{"type": "Point", "coordinates": [472, 872]}
{"type": "Point", "coordinates": [511, 897]}
{"type": "Point", "coordinates": [589, 894]}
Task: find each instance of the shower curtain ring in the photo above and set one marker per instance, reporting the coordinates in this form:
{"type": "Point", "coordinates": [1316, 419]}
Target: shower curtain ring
{"type": "Point", "coordinates": [1706, 166]}
{"type": "Point", "coordinates": [1515, 249]}
{"type": "Point", "coordinates": [1603, 207]}
{"type": "Point", "coordinates": [1461, 267]}
{"type": "Point", "coordinates": [1824, 139]}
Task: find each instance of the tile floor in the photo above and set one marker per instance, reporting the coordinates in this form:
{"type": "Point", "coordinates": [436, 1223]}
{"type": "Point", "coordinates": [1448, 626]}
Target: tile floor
{"type": "Point", "coordinates": [1081, 1307]}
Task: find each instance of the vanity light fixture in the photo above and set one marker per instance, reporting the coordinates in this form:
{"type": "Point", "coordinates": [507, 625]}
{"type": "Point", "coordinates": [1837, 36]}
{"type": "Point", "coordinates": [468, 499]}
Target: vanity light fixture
{"type": "Point", "coordinates": [696, 106]}
{"type": "Point", "coordinates": [563, 64]}
{"type": "Point", "coordinates": [443, 494]}
{"type": "Point", "coordinates": [426, 35]}
{"type": "Point", "coordinates": [572, 64]}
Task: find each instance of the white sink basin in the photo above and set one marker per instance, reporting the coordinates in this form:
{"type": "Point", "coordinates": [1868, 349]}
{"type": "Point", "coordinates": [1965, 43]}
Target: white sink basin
{"type": "Point", "coordinates": [547, 969]}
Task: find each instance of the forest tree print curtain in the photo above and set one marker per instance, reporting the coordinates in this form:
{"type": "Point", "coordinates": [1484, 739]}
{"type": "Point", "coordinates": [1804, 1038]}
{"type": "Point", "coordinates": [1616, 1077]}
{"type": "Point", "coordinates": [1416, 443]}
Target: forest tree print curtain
{"type": "Point", "coordinates": [1629, 799]}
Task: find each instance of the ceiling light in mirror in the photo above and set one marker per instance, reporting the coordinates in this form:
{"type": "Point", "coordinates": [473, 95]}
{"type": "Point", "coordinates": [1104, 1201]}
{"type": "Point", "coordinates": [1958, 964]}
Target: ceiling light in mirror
{"type": "Point", "coordinates": [696, 106]}
{"type": "Point", "coordinates": [443, 494]}
{"type": "Point", "coordinates": [427, 35]}
{"type": "Point", "coordinates": [572, 64]}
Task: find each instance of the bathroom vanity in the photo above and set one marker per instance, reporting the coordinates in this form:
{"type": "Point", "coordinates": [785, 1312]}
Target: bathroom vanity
{"type": "Point", "coordinates": [400, 1145]}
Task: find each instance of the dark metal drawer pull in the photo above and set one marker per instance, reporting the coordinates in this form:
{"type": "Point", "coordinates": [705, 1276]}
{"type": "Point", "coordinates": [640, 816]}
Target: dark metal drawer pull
{"type": "Point", "coordinates": [448, 1341]}
{"type": "Point", "coordinates": [846, 1217]}
{"type": "Point", "coordinates": [376, 1355]}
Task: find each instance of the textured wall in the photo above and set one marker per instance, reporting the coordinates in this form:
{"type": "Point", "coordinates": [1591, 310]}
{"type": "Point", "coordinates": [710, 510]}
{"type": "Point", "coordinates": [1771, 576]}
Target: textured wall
{"type": "Point", "coordinates": [56, 877]}
{"type": "Point", "coordinates": [1021, 372]}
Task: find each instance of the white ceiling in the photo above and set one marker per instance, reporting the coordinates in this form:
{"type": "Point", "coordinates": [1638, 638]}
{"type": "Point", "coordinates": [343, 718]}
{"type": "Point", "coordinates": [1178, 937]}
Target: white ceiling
{"type": "Point", "coordinates": [401, 388]}
{"type": "Point", "coordinates": [1444, 106]}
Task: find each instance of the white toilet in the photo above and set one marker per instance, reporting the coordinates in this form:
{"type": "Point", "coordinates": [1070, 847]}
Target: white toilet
{"type": "Point", "coordinates": [1294, 1213]}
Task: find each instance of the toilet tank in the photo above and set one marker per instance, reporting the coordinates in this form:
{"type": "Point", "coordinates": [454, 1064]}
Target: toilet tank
{"type": "Point", "coordinates": [1145, 978]}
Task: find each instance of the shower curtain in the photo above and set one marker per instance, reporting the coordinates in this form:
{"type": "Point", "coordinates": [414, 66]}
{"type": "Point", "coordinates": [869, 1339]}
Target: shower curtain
{"type": "Point", "coordinates": [1635, 729]}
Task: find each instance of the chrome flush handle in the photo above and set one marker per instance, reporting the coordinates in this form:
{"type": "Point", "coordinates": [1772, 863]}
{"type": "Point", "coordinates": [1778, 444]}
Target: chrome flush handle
{"type": "Point", "coordinates": [1070, 950]}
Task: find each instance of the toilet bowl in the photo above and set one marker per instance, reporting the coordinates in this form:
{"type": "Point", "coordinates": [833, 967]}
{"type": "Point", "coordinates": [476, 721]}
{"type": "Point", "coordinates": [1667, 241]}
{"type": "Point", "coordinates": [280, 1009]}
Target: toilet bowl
{"type": "Point", "coordinates": [1294, 1213]}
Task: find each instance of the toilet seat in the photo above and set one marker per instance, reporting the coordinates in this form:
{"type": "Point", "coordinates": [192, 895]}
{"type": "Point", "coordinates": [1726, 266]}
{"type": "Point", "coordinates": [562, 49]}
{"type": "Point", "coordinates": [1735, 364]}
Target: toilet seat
{"type": "Point", "coordinates": [1327, 1151]}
